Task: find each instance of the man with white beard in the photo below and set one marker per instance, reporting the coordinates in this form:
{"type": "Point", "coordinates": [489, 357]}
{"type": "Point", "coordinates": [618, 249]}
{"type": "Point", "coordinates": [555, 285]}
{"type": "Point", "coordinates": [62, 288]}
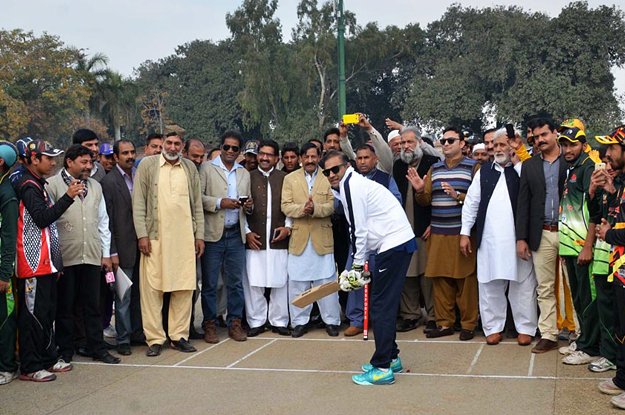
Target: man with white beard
{"type": "Point", "coordinates": [490, 208]}
{"type": "Point", "coordinates": [412, 155]}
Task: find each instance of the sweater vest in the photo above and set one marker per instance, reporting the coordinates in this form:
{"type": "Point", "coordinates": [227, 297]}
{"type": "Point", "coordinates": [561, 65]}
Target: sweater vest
{"type": "Point", "coordinates": [257, 221]}
{"type": "Point", "coordinates": [78, 226]}
{"type": "Point", "coordinates": [489, 176]}
{"type": "Point", "coordinates": [446, 211]}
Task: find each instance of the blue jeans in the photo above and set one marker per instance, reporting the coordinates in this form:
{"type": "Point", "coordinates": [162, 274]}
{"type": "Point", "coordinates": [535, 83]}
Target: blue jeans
{"type": "Point", "coordinates": [229, 253]}
{"type": "Point", "coordinates": [123, 326]}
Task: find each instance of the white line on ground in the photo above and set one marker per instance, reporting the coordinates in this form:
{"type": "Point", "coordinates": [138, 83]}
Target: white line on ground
{"type": "Point", "coordinates": [530, 371]}
{"type": "Point", "coordinates": [343, 339]}
{"type": "Point", "coordinates": [475, 359]}
{"type": "Point", "coordinates": [194, 355]}
{"type": "Point", "coordinates": [285, 370]}
{"type": "Point", "coordinates": [231, 365]}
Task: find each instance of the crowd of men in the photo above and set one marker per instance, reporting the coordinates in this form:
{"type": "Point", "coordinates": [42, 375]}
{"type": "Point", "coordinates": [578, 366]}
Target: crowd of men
{"type": "Point", "coordinates": [491, 232]}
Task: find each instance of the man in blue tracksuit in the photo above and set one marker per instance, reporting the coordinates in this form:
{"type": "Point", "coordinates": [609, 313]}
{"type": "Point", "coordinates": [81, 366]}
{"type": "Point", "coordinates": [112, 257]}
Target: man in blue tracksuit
{"type": "Point", "coordinates": [377, 225]}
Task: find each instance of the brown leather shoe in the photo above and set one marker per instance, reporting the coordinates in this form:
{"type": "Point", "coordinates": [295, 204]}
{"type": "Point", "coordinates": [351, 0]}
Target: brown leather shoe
{"type": "Point", "coordinates": [524, 339]}
{"type": "Point", "coordinates": [493, 339]}
{"type": "Point", "coordinates": [210, 332]}
{"type": "Point", "coordinates": [544, 346]}
{"type": "Point", "coordinates": [352, 331]}
{"type": "Point", "coordinates": [236, 332]}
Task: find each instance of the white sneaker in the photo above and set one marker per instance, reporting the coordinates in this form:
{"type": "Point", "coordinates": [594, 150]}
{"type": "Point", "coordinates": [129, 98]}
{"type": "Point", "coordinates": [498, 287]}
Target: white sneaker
{"type": "Point", "coordinates": [609, 388]}
{"type": "Point", "coordinates": [567, 350]}
{"type": "Point", "coordinates": [578, 358]}
{"type": "Point", "coordinates": [61, 366]}
{"type": "Point", "coordinates": [618, 401]}
{"type": "Point", "coordinates": [7, 377]}
{"type": "Point", "coordinates": [601, 365]}
{"type": "Point", "coordinates": [110, 332]}
{"type": "Point", "coordinates": [38, 376]}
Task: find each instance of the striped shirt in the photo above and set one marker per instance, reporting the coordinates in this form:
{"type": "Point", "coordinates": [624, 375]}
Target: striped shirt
{"type": "Point", "coordinates": [446, 211]}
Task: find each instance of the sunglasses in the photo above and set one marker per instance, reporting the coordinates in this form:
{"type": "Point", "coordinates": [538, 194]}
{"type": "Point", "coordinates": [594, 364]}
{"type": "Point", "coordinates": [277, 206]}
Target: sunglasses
{"type": "Point", "coordinates": [228, 147]}
{"type": "Point", "coordinates": [448, 140]}
{"type": "Point", "coordinates": [334, 170]}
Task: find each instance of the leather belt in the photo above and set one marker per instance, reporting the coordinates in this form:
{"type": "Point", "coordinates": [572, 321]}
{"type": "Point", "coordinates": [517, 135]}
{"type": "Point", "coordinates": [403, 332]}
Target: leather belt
{"type": "Point", "coordinates": [551, 228]}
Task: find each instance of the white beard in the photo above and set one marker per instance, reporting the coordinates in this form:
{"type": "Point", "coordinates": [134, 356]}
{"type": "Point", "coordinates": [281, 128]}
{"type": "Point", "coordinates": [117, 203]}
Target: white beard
{"type": "Point", "coordinates": [502, 159]}
{"type": "Point", "coordinates": [171, 157]}
{"type": "Point", "coordinates": [409, 157]}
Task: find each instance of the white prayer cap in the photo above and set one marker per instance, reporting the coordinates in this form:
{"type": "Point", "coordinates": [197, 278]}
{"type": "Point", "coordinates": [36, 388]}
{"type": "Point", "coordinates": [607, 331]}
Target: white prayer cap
{"type": "Point", "coordinates": [393, 134]}
{"type": "Point", "coordinates": [479, 146]}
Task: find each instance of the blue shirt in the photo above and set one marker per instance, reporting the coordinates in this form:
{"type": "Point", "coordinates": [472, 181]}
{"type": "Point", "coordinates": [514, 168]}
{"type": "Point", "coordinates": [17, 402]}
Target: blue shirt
{"type": "Point", "coordinates": [231, 215]}
{"type": "Point", "coordinates": [310, 179]}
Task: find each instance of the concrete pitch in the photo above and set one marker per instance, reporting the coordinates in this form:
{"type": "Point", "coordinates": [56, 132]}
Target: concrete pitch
{"type": "Point", "coordinates": [271, 374]}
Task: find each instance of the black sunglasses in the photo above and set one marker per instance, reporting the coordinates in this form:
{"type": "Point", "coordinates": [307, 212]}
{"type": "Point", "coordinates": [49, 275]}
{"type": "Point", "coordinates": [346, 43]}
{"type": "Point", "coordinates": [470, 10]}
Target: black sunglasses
{"type": "Point", "coordinates": [334, 170]}
{"type": "Point", "coordinates": [228, 147]}
{"type": "Point", "coordinates": [448, 140]}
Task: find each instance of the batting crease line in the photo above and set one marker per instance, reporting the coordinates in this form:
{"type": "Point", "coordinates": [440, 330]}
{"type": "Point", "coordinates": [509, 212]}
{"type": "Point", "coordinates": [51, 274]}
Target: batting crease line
{"type": "Point", "coordinates": [531, 369]}
{"type": "Point", "coordinates": [193, 356]}
{"type": "Point", "coordinates": [231, 365]}
{"type": "Point", "coordinates": [475, 359]}
{"type": "Point", "coordinates": [260, 369]}
{"type": "Point", "coordinates": [364, 342]}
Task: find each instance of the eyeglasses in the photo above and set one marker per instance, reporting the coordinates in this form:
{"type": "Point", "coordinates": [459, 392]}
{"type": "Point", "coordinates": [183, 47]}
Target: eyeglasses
{"type": "Point", "coordinates": [448, 140]}
{"type": "Point", "coordinates": [334, 170]}
{"type": "Point", "coordinates": [228, 147]}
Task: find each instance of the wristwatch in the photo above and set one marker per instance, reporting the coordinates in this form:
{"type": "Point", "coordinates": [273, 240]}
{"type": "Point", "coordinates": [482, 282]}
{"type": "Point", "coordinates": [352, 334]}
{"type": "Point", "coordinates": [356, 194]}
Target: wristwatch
{"type": "Point", "coordinates": [460, 202]}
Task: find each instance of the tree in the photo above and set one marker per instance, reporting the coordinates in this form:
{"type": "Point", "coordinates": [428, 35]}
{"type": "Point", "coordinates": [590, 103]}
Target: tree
{"type": "Point", "coordinates": [257, 41]}
{"type": "Point", "coordinates": [520, 64]}
{"type": "Point", "coordinates": [40, 88]}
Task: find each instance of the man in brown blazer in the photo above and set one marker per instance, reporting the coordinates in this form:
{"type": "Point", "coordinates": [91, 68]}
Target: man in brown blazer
{"type": "Point", "coordinates": [308, 200]}
{"type": "Point", "coordinates": [225, 198]}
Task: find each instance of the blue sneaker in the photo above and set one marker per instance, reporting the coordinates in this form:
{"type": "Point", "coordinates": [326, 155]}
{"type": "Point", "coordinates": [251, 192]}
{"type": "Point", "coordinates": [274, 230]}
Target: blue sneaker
{"type": "Point", "coordinates": [374, 377]}
{"type": "Point", "coordinates": [396, 366]}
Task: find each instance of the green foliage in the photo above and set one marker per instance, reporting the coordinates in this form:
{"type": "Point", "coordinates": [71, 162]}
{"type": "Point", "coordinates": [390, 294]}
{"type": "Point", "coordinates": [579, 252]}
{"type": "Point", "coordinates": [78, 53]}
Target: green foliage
{"type": "Point", "coordinates": [522, 64]}
{"type": "Point", "coordinates": [516, 62]}
{"type": "Point", "coordinates": [40, 87]}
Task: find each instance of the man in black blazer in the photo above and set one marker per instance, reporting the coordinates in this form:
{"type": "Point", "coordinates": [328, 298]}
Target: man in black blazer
{"type": "Point", "coordinates": [117, 189]}
{"type": "Point", "coordinates": [541, 186]}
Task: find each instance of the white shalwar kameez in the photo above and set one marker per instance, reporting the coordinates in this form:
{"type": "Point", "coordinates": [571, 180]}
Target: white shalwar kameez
{"type": "Point", "coordinates": [498, 266]}
{"type": "Point", "coordinates": [267, 268]}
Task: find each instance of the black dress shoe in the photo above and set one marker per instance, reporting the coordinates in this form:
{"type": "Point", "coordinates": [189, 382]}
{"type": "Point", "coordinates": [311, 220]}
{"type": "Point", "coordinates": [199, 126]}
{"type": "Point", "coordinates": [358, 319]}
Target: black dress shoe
{"type": "Point", "coordinates": [299, 331]}
{"type": "Point", "coordinates": [195, 335]}
{"type": "Point", "coordinates": [440, 332]}
{"type": "Point", "coordinates": [183, 345]}
{"type": "Point", "coordinates": [124, 349]}
{"type": "Point", "coordinates": [430, 326]}
{"type": "Point", "coordinates": [407, 325]}
{"type": "Point", "coordinates": [256, 331]}
{"type": "Point", "coordinates": [106, 357]}
{"type": "Point", "coordinates": [282, 331]}
{"type": "Point", "coordinates": [154, 350]}
{"type": "Point", "coordinates": [332, 330]}
{"type": "Point", "coordinates": [466, 334]}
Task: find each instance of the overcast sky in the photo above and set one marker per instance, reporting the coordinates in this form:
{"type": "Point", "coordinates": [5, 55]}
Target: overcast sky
{"type": "Point", "coordinates": [132, 31]}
